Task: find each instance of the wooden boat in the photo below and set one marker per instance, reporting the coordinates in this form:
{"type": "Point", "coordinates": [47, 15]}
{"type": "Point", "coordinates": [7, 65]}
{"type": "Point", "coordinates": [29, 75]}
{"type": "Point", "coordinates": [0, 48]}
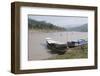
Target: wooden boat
{"type": "Point", "coordinates": [72, 44]}
{"type": "Point", "coordinates": [56, 46]}
{"type": "Point", "coordinates": [62, 47]}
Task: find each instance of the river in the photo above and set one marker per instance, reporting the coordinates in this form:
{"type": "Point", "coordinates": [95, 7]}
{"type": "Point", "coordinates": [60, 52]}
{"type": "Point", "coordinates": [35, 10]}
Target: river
{"type": "Point", "coordinates": [37, 45]}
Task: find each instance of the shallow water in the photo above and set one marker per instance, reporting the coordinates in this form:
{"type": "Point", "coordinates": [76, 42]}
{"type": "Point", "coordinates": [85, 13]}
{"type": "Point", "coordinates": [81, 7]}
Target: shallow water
{"type": "Point", "coordinates": [37, 45]}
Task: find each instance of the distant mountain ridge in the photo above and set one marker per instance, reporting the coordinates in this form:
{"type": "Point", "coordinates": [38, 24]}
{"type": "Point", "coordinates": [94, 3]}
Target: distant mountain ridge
{"type": "Point", "coordinates": [82, 28]}
{"type": "Point", "coordinates": [34, 24]}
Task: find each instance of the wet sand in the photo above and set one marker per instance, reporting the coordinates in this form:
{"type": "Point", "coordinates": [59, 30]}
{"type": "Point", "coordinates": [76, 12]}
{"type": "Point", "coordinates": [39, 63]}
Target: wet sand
{"type": "Point", "coordinates": [37, 45]}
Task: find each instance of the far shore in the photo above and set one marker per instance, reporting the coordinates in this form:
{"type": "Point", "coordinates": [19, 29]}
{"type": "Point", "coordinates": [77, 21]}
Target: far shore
{"type": "Point", "coordinates": [49, 30]}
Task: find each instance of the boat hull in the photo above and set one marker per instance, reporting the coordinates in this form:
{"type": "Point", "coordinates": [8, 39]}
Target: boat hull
{"type": "Point", "coordinates": [59, 48]}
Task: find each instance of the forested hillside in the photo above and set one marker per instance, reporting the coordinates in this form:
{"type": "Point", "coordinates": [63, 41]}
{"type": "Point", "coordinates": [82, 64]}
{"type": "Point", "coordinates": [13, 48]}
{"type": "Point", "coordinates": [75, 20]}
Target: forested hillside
{"type": "Point", "coordinates": [34, 24]}
{"type": "Point", "coordinates": [43, 25]}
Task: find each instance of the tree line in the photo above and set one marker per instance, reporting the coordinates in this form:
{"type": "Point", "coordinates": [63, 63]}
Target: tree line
{"type": "Point", "coordinates": [34, 24]}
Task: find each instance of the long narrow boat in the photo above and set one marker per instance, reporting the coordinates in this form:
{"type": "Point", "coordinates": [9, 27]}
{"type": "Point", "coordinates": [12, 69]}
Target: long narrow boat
{"type": "Point", "coordinates": [56, 46]}
{"type": "Point", "coordinates": [76, 43]}
{"type": "Point", "coordinates": [62, 47]}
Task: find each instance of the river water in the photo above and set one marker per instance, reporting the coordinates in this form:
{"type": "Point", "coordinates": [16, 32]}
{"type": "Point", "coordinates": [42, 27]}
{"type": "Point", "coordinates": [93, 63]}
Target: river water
{"type": "Point", "coordinates": [37, 45]}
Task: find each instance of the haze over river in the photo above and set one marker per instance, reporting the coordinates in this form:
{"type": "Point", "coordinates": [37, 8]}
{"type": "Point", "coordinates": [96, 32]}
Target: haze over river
{"type": "Point", "coordinates": [37, 44]}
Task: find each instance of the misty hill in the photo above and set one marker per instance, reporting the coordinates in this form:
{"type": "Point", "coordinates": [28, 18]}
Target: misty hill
{"type": "Point", "coordinates": [34, 24]}
{"type": "Point", "coordinates": [82, 28]}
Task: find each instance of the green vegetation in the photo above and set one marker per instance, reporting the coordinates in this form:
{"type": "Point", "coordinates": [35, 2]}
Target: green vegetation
{"type": "Point", "coordinates": [43, 25]}
{"type": "Point", "coordinates": [74, 53]}
{"type": "Point", "coordinates": [34, 24]}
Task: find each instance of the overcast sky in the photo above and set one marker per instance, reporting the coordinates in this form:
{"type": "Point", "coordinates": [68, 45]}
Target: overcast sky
{"type": "Point", "coordinates": [63, 21]}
